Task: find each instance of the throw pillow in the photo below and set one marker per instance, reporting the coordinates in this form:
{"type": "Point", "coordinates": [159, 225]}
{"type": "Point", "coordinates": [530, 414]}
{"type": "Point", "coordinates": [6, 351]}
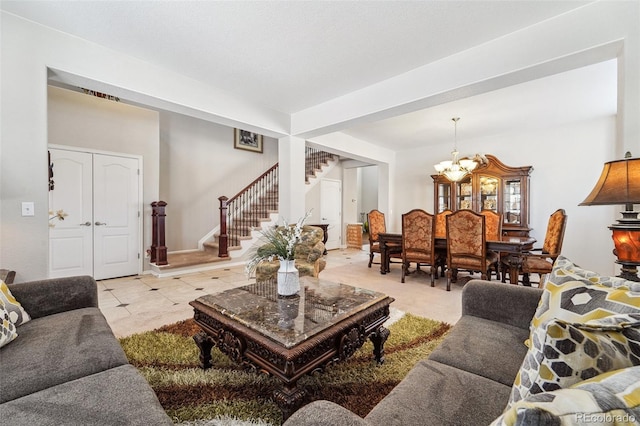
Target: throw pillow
{"type": "Point", "coordinates": [17, 314]}
{"type": "Point", "coordinates": [7, 327]}
{"type": "Point", "coordinates": [577, 295]}
{"type": "Point", "coordinates": [563, 353]}
{"type": "Point", "coordinates": [611, 398]}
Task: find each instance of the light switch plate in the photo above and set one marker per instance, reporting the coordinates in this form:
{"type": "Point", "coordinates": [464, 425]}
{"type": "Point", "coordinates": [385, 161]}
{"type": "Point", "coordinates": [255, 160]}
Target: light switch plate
{"type": "Point", "coordinates": [28, 208]}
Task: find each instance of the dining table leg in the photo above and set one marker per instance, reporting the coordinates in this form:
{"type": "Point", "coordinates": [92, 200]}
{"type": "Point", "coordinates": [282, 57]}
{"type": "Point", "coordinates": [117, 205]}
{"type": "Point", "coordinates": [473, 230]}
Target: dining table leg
{"type": "Point", "coordinates": [514, 261]}
{"type": "Point", "coordinates": [384, 261]}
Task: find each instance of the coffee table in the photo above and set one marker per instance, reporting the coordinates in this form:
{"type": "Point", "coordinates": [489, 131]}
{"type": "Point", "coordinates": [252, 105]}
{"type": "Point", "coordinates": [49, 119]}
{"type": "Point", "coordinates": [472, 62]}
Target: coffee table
{"type": "Point", "coordinates": [289, 337]}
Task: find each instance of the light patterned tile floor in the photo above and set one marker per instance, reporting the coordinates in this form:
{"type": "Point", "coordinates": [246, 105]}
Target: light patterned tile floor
{"type": "Point", "coordinates": [141, 303]}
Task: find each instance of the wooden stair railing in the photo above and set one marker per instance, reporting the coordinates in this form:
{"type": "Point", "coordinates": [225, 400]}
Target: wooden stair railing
{"type": "Point", "coordinates": [244, 211]}
{"type": "Point", "coordinates": [314, 160]}
{"type": "Point", "coordinates": [158, 250]}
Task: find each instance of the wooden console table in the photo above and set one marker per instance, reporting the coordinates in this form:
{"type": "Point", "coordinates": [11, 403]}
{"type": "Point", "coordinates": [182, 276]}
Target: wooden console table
{"type": "Point", "coordinates": [290, 337]}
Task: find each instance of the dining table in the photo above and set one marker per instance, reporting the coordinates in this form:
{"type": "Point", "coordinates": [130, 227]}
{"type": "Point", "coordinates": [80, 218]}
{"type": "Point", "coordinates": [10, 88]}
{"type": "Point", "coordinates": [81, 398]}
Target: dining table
{"type": "Point", "coordinates": [512, 247]}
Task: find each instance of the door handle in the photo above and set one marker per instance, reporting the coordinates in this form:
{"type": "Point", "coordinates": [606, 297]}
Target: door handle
{"type": "Point", "coordinates": [87, 223]}
{"type": "Point", "coordinates": [100, 223]}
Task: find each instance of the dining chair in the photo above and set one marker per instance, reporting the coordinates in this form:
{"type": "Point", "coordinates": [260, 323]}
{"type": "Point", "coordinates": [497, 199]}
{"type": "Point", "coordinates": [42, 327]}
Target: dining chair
{"type": "Point", "coordinates": [493, 232]}
{"type": "Point", "coordinates": [418, 242]}
{"type": "Point", "coordinates": [466, 245]}
{"type": "Point", "coordinates": [542, 263]}
{"type": "Point", "coordinates": [441, 232]}
{"type": "Point", "coordinates": [376, 220]}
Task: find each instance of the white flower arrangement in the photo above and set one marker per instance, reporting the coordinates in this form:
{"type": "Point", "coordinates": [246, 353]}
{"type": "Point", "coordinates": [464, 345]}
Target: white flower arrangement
{"type": "Point", "coordinates": [60, 215]}
{"type": "Point", "coordinates": [279, 243]}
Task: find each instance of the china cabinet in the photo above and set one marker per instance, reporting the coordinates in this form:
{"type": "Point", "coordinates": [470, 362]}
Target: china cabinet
{"type": "Point", "coordinates": [491, 186]}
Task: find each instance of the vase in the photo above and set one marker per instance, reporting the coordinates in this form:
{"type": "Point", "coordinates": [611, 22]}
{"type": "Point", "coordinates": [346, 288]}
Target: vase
{"type": "Point", "coordinates": [288, 308]}
{"type": "Point", "coordinates": [288, 278]}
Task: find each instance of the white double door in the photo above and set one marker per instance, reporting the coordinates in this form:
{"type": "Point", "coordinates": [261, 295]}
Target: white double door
{"type": "Point", "coordinates": [100, 236]}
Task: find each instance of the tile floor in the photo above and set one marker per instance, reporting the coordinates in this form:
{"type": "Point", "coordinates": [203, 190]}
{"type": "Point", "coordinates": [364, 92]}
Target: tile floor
{"type": "Point", "coordinates": [140, 303]}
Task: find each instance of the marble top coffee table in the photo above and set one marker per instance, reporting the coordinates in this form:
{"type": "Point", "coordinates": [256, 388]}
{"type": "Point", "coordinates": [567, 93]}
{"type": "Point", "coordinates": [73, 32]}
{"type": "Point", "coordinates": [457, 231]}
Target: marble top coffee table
{"type": "Point", "coordinates": [290, 337]}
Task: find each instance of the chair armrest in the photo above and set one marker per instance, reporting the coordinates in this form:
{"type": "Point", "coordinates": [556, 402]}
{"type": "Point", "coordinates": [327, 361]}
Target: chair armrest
{"type": "Point", "coordinates": [505, 303]}
{"type": "Point", "coordinates": [323, 413]}
{"type": "Point", "coordinates": [52, 296]}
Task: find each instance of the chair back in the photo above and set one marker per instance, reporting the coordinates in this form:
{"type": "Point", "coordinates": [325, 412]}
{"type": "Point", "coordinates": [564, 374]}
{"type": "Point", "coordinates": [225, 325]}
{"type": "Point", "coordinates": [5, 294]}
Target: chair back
{"type": "Point", "coordinates": [418, 236]}
{"type": "Point", "coordinates": [493, 225]}
{"type": "Point", "coordinates": [441, 223]}
{"type": "Point", "coordinates": [555, 233]}
{"type": "Point", "coordinates": [466, 238]}
{"type": "Point", "coordinates": [376, 225]}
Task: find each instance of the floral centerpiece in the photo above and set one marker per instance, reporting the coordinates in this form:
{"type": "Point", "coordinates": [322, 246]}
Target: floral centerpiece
{"type": "Point", "coordinates": [279, 244]}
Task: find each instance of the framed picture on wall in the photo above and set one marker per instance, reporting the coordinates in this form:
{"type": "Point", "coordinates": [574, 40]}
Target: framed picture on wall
{"type": "Point", "coordinates": [248, 141]}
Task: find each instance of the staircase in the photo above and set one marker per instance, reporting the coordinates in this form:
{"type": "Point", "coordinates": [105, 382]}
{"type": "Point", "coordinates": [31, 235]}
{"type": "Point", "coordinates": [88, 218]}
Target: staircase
{"type": "Point", "coordinates": [241, 219]}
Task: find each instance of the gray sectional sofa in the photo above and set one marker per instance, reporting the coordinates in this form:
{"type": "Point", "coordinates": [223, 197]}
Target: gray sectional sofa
{"type": "Point", "coordinates": [66, 367]}
{"type": "Point", "coordinates": [466, 380]}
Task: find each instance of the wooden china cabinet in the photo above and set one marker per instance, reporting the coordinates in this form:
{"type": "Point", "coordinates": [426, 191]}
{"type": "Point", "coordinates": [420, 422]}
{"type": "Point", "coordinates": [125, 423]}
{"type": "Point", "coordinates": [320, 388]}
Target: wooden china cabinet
{"type": "Point", "coordinates": [491, 186]}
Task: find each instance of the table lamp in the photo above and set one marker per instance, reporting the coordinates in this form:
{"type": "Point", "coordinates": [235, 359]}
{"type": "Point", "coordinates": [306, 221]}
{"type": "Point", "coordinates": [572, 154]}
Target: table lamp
{"type": "Point", "coordinates": [619, 183]}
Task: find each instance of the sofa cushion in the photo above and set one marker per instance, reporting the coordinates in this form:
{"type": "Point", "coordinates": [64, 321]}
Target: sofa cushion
{"type": "Point", "coordinates": [563, 353]}
{"type": "Point", "coordinates": [7, 327]}
{"type": "Point", "coordinates": [17, 314]}
{"type": "Point", "coordinates": [118, 396]}
{"type": "Point", "coordinates": [437, 394]}
{"type": "Point", "coordinates": [324, 413]}
{"type": "Point", "coordinates": [55, 349]}
{"type": "Point", "coordinates": [487, 348]}
{"type": "Point", "coordinates": [608, 399]}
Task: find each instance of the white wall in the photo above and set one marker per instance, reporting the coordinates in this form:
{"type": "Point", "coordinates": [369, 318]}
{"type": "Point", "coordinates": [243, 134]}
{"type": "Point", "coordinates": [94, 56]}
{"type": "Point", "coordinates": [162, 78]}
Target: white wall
{"type": "Point", "coordinates": [566, 161]}
{"type": "Point", "coordinates": [368, 189]}
{"type": "Point", "coordinates": [78, 120]}
{"type": "Point", "coordinates": [198, 164]}
{"type": "Point", "coordinates": [351, 190]}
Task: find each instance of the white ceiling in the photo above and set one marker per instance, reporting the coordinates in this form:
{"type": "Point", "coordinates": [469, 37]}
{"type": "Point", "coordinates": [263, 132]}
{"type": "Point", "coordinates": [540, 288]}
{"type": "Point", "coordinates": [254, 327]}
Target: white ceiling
{"type": "Point", "coordinates": [291, 55]}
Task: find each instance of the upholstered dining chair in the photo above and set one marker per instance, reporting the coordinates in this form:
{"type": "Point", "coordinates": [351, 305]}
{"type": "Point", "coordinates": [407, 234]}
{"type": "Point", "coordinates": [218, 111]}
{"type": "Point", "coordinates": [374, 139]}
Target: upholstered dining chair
{"type": "Point", "coordinates": [493, 232]}
{"type": "Point", "coordinates": [418, 242]}
{"type": "Point", "coordinates": [542, 263]}
{"type": "Point", "coordinates": [466, 245]}
{"type": "Point", "coordinates": [377, 225]}
{"type": "Point", "coordinates": [441, 232]}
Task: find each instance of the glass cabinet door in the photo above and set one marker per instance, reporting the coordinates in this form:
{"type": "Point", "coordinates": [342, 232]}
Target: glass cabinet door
{"type": "Point", "coordinates": [489, 193]}
{"type": "Point", "coordinates": [464, 195]}
{"type": "Point", "coordinates": [512, 202]}
{"type": "Point", "coordinates": [444, 196]}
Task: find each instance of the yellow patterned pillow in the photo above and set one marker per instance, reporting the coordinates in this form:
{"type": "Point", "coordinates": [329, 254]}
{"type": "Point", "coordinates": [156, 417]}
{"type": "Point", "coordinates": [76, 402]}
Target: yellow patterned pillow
{"type": "Point", "coordinates": [17, 314]}
{"type": "Point", "coordinates": [611, 398]}
{"type": "Point", "coordinates": [7, 328]}
{"type": "Point", "coordinates": [574, 294]}
{"type": "Point", "coordinates": [563, 353]}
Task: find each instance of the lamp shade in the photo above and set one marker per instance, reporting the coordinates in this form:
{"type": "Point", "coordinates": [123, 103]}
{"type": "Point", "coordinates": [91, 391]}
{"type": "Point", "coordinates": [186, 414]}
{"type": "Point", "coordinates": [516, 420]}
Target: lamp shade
{"type": "Point", "coordinates": [619, 183]}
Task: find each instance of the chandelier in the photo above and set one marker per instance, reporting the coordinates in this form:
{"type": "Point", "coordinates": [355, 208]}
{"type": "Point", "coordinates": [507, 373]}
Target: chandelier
{"type": "Point", "coordinates": [455, 169]}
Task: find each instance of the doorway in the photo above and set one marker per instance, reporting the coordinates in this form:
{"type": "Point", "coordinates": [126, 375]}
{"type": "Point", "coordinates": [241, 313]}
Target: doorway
{"type": "Point", "coordinates": [331, 210]}
{"type": "Point", "coordinates": [98, 195]}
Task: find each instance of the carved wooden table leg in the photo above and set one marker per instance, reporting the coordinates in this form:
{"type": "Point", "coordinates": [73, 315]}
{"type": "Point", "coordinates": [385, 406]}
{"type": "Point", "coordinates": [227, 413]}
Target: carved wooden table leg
{"type": "Point", "coordinates": [288, 399]}
{"type": "Point", "coordinates": [378, 338]}
{"type": "Point", "coordinates": [205, 344]}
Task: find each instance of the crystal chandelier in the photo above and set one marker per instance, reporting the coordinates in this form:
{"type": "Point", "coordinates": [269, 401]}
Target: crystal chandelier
{"type": "Point", "coordinates": [455, 169]}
